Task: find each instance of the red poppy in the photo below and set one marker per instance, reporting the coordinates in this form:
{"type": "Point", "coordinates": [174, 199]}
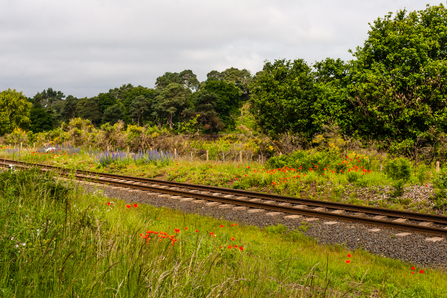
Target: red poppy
{"type": "Point", "coordinates": [422, 271]}
{"type": "Point", "coordinates": [412, 268]}
{"type": "Point", "coordinates": [135, 205]}
{"type": "Point", "coordinates": [221, 226]}
{"type": "Point", "coordinates": [229, 246]}
{"type": "Point", "coordinates": [412, 272]}
{"type": "Point", "coordinates": [232, 238]}
{"type": "Point", "coordinates": [348, 261]}
{"type": "Point", "coordinates": [241, 248]}
{"type": "Point", "coordinates": [177, 230]}
{"type": "Point", "coordinates": [128, 206]}
{"type": "Point", "coordinates": [349, 256]}
{"type": "Point", "coordinates": [186, 228]}
{"type": "Point", "coordinates": [197, 231]}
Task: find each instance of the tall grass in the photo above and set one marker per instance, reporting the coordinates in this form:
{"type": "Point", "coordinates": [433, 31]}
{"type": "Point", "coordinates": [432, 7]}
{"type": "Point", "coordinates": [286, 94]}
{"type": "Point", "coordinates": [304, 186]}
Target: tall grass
{"type": "Point", "coordinates": [57, 241]}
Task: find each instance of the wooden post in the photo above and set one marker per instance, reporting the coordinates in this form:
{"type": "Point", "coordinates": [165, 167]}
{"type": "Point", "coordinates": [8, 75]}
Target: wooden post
{"type": "Point", "coordinates": [207, 157]}
{"type": "Point", "coordinates": [127, 151]}
{"type": "Point", "coordinates": [175, 152]}
{"type": "Point", "coordinates": [437, 167]}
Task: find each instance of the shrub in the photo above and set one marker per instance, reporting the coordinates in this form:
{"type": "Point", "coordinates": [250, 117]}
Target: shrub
{"type": "Point", "coordinates": [398, 169]}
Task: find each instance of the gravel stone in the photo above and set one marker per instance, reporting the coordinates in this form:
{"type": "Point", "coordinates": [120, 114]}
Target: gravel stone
{"type": "Point", "coordinates": [414, 248]}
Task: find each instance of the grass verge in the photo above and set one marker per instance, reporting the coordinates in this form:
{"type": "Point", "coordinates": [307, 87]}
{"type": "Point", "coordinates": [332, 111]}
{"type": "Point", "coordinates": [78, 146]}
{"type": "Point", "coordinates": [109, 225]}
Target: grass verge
{"type": "Point", "coordinates": [58, 241]}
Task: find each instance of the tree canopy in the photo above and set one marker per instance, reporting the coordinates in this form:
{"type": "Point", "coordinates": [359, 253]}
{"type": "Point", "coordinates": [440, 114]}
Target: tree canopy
{"type": "Point", "coordinates": [14, 111]}
{"type": "Point", "coordinates": [397, 85]}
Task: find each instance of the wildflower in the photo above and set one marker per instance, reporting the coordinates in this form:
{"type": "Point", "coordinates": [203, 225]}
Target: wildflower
{"type": "Point", "coordinates": [186, 228]}
{"type": "Point", "coordinates": [241, 248]}
{"type": "Point", "coordinates": [232, 238]}
{"type": "Point", "coordinates": [197, 231]}
{"type": "Point", "coordinates": [177, 230]}
{"type": "Point", "coordinates": [348, 261]}
{"type": "Point", "coordinates": [412, 272]}
{"type": "Point", "coordinates": [221, 226]}
{"type": "Point", "coordinates": [349, 256]}
{"type": "Point", "coordinates": [412, 268]}
{"type": "Point", "coordinates": [135, 205]}
{"type": "Point", "coordinates": [128, 206]}
{"type": "Point", "coordinates": [229, 246]}
{"type": "Point", "coordinates": [422, 271]}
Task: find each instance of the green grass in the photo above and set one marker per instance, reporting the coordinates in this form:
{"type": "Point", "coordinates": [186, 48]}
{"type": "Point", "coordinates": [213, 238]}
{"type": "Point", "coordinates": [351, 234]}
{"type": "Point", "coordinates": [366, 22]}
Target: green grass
{"type": "Point", "coordinates": [58, 241]}
{"type": "Point", "coordinates": [317, 175]}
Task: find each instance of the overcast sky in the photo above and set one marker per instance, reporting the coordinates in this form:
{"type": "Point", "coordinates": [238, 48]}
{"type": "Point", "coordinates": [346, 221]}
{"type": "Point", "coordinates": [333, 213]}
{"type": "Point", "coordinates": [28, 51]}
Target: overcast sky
{"type": "Point", "coordinates": [85, 47]}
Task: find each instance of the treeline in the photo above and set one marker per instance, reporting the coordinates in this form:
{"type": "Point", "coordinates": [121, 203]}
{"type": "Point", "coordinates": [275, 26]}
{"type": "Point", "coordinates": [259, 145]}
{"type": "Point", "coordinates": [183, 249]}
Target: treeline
{"type": "Point", "coordinates": [177, 98]}
{"type": "Point", "coordinates": [392, 94]}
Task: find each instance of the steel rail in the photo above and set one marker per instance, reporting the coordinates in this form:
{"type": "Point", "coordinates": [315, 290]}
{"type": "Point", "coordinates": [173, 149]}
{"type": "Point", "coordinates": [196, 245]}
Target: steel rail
{"type": "Point", "coordinates": [259, 205]}
{"type": "Point", "coordinates": [438, 219]}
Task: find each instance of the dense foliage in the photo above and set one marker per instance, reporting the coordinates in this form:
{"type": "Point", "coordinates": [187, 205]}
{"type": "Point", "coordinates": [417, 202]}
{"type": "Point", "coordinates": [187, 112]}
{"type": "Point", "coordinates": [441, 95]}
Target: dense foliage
{"type": "Point", "coordinates": [392, 94]}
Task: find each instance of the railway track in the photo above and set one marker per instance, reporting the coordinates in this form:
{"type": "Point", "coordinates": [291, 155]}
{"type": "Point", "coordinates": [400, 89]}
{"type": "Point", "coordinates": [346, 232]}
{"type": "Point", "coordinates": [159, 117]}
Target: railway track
{"type": "Point", "coordinates": [401, 220]}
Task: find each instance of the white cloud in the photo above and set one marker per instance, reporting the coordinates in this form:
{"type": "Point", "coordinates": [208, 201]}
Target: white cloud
{"type": "Point", "coordinates": [86, 47]}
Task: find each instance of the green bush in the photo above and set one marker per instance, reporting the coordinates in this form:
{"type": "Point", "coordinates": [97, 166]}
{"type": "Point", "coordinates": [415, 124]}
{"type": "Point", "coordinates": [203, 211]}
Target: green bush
{"type": "Point", "coordinates": [398, 188]}
{"type": "Point", "coordinates": [398, 169]}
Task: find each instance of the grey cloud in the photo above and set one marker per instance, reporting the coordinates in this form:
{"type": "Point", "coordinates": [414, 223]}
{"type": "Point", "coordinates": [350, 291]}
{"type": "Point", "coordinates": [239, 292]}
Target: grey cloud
{"type": "Point", "coordinates": [86, 47]}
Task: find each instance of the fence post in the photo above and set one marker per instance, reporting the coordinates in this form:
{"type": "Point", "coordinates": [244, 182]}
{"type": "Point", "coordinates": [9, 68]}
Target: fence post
{"type": "Point", "coordinates": [127, 151]}
{"type": "Point", "coordinates": [175, 152]}
{"type": "Point", "coordinates": [206, 155]}
{"type": "Point", "coordinates": [437, 167]}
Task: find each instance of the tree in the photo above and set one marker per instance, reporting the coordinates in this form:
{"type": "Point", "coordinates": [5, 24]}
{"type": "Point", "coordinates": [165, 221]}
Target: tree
{"type": "Point", "coordinates": [88, 108]}
{"type": "Point", "coordinates": [138, 107]}
{"type": "Point", "coordinates": [398, 82]}
{"type": "Point", "coordinates": [205, 107]}
{"type": "Point", "coordinates": [331, 79]}
{"type": "Point", "coordinates": [41, 119]}
{"type": "Point", "coordinates": [112, 114]}
{"type": "Point", "coordinates": [48, 98]}
{"type": "Point", "coordinates": [228, 100]}
{"type": "Point", "coordinates": [283, 98]}
{"type": "Point", "coordinates": [106, 100]}
{"type": "Point", "coordinates": [69, 109]}
{"type": "Point", "coordinates": [14, 111]}
{"type": "Point", "coordinates": [186, 78]}
{"type": "Point", "coordinates": [170, 102]}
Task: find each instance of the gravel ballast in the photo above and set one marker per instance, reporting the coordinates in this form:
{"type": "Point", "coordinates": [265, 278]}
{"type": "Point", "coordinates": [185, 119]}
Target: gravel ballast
{"type": "Point", "coordinates": [417, 249]}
